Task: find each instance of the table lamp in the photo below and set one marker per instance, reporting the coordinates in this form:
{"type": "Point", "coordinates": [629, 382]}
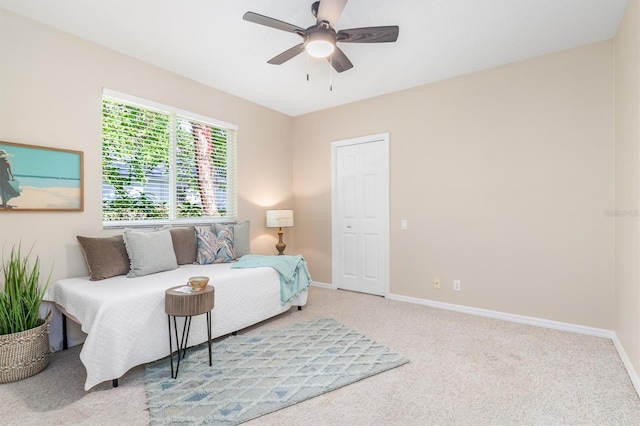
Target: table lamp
{"type": "Point", "coordinates": [280, 219]}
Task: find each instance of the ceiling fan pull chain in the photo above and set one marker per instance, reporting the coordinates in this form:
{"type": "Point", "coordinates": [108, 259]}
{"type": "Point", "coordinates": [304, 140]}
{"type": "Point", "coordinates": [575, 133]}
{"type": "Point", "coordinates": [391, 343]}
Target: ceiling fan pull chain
{"type": "Point", "coordinates": [307, 55]}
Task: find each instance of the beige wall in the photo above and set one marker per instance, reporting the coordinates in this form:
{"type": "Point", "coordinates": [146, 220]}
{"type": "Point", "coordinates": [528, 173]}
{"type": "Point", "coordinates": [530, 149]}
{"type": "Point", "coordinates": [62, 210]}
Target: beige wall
{"type": "Point", "coordinates": [50, 94]}
{"type": "Point", "coordinates": [504, 177]}
{"type": "Point", "coordinates": [627, 188]}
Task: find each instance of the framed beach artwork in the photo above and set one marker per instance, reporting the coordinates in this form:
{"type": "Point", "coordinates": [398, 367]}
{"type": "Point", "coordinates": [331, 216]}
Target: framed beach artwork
{"type": "Point", "coordinates": [37, 178]}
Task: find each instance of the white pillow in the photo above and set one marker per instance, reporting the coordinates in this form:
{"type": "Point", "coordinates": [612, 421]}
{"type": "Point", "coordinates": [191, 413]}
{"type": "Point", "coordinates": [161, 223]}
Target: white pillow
{"type": "Point", "coordinates": [149, 252]}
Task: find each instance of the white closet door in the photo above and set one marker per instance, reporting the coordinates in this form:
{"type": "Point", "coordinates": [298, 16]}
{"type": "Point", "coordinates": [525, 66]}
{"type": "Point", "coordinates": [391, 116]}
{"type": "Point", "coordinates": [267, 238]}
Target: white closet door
{"type": "Point", "coordinates": [360, 215]}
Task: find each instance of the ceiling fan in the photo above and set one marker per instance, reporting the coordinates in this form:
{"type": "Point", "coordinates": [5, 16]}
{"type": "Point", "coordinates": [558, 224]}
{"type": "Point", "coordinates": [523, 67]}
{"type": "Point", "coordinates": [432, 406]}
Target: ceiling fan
{"type": "Point", "coordinates": [320, 40]}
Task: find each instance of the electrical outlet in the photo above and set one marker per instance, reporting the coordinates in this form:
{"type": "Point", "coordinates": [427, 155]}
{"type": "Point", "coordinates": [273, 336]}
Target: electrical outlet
{"type": "Point", "coordinates": [436, 282]}
{"type": "Point", "coordinates": [456, 285]}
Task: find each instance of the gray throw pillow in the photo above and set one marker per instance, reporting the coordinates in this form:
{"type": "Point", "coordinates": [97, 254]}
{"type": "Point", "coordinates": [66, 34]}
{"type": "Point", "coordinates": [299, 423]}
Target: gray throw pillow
{"type": "Point", "coordinates": [241, 240]}
{"type": "Point", "coordinates": [184, 244]}
{"type": "Point", "coordinates": [149, 252]}
{"type": "Point", "coordinates": [106, 257]}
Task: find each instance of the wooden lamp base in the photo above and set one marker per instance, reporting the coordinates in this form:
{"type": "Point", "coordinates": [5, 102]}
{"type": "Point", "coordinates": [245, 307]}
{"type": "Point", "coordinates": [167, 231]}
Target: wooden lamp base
{"type": "Point", "coordinates": [281, 245]}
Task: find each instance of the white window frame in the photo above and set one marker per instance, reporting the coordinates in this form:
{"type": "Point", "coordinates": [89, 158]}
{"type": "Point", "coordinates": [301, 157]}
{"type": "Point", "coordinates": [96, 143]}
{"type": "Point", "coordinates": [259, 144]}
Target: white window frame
{"type": "Point", "coordinates": [232, 198]}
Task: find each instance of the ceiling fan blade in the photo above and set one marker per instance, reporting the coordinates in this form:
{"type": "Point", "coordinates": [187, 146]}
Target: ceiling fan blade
{"type": "Point", "coordinates": [273, 23]}
{"type": "Point", "coordinates": [330, 11]}
{"type": "Point", "coordinates": [339, 60]}
{"type": "Point", "coordinates": [287, 54]}
{"type": "Point", "coordinates": [369, 35]}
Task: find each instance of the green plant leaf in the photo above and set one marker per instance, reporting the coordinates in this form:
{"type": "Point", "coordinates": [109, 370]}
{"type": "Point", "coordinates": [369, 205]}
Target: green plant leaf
{"type": "Point", "coordinates": [22, 292]}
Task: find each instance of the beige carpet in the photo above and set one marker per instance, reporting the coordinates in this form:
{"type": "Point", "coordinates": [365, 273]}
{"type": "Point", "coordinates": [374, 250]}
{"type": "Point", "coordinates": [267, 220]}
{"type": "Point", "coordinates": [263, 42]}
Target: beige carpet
{"type": "Point", "coordinates": [464, 370]}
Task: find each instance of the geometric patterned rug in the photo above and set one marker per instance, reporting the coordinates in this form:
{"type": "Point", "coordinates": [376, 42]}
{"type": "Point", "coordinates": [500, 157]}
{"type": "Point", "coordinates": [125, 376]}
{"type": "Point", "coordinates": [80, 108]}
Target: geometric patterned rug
{"type": "Point", "coordinates": [258, 374]}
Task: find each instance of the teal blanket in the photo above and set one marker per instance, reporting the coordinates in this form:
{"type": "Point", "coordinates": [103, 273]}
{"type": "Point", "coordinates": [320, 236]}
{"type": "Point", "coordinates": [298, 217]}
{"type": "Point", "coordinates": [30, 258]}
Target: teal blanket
{"type": "Point", "coordinates": [294, 274]}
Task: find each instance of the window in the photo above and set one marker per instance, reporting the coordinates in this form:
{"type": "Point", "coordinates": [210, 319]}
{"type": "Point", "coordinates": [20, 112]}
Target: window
{"type": "Point", "coordinates": [163, 165]}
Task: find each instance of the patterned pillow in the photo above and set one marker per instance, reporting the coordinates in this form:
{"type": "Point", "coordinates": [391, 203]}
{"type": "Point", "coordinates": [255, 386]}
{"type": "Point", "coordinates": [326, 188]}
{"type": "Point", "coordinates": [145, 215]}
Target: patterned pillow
{"type": "Point", "coordinates": [241, 240]}
{"type": "Point", "coordinates": [214, 248]}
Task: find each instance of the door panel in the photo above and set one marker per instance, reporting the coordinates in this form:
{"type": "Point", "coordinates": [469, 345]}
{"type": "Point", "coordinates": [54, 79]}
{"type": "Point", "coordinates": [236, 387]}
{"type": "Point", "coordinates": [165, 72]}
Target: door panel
{"type": "Point", "coordinates": [371, 257]}
{"type": "Point", "coordinates": [350, 255]}
{"type": "Point", "coordinates": [349, 201]}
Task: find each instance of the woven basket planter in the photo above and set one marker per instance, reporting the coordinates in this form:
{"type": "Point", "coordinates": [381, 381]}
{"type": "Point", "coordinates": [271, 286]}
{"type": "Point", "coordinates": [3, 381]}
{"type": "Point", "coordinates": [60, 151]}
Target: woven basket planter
{"type": "Point", "coordinates": [26, 353]}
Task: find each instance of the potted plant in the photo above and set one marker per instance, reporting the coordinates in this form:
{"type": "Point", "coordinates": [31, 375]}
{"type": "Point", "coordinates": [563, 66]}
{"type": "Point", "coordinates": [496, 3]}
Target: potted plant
{"type": "Point", "coordinates": [24, 336]}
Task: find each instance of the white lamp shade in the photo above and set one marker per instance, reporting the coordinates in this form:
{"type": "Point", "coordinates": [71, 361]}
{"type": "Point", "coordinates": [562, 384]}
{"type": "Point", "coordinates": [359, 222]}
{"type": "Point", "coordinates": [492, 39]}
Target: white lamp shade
{"type": "Point", "coordinates": [279, 218]}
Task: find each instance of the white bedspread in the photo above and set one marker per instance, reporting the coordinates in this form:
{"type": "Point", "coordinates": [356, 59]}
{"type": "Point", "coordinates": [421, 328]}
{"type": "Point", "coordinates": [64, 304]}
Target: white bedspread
{"type": "Point", "coordinates": [126, 323]}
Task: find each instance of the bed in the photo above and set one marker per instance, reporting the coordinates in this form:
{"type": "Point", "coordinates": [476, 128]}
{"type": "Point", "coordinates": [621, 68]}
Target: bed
{"type": "Point", "coordinates": [125, 320]}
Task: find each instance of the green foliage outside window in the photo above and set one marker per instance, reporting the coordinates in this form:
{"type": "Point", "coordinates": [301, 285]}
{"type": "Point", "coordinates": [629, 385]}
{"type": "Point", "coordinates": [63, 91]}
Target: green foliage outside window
{"type": "Point", "coordinates": [137, 164]}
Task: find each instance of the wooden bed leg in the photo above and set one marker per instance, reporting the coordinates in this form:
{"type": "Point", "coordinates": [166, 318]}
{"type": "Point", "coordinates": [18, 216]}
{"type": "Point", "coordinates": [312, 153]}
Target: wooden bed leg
{"type": "Point", "coordinates": [299, 308]}
{"type": "Point", "coordinates": [65, 344]}
{"type": "Point", "coordinates": [115, 383]}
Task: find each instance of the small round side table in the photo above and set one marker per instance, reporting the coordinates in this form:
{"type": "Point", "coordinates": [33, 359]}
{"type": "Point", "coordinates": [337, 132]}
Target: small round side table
{"type": "Point", "coordinates": [181, 304]}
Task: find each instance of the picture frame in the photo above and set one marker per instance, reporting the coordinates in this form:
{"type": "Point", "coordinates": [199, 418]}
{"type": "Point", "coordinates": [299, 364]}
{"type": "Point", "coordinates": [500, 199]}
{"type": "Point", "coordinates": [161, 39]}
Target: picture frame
{"type": "Point", "coordinates": [39, 178]}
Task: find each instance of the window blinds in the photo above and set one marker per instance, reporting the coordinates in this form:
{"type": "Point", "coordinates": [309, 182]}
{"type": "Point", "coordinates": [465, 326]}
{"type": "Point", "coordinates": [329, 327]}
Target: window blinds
{"type": "Point", "coordinates": [163, 165]}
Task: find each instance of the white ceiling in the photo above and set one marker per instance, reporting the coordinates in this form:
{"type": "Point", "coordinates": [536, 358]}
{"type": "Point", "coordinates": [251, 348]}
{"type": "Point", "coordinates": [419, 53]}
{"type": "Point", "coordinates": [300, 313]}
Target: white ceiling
{"type": "Point", "coordinates": [208, 41]}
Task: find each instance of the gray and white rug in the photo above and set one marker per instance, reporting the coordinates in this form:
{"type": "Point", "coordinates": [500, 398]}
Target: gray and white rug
{"type": "Point", "coordinates": [261, 373]}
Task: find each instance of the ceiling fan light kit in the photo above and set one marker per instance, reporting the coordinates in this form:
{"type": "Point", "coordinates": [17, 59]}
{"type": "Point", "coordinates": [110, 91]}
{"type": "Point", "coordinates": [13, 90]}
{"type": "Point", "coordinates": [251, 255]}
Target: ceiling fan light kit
{"type": "Point", "coordinates": [320, 40]}
{"type": "Point", "coordinates": [320, 44]}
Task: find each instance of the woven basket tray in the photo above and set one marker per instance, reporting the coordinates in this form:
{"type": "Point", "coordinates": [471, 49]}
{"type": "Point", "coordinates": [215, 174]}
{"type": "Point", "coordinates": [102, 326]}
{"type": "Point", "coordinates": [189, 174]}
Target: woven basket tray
{"type": "Point", "coordinates": [26, 353]}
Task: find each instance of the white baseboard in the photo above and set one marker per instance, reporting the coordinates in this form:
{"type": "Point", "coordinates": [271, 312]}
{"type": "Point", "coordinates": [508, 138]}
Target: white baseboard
{"type": "Point", "coordinates": [322, 285]}
{"type": "Point", "coordinates": [539, 322]}
{"type": "Point", "coordinates": [598, 332]}
{"type": "Point", "coordinates": [633, 375]}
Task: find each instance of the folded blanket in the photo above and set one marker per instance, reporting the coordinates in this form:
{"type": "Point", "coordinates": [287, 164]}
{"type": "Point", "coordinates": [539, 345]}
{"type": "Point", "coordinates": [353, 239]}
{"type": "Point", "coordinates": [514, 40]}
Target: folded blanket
{"type": "Point", "coordinates": [294, 274]}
